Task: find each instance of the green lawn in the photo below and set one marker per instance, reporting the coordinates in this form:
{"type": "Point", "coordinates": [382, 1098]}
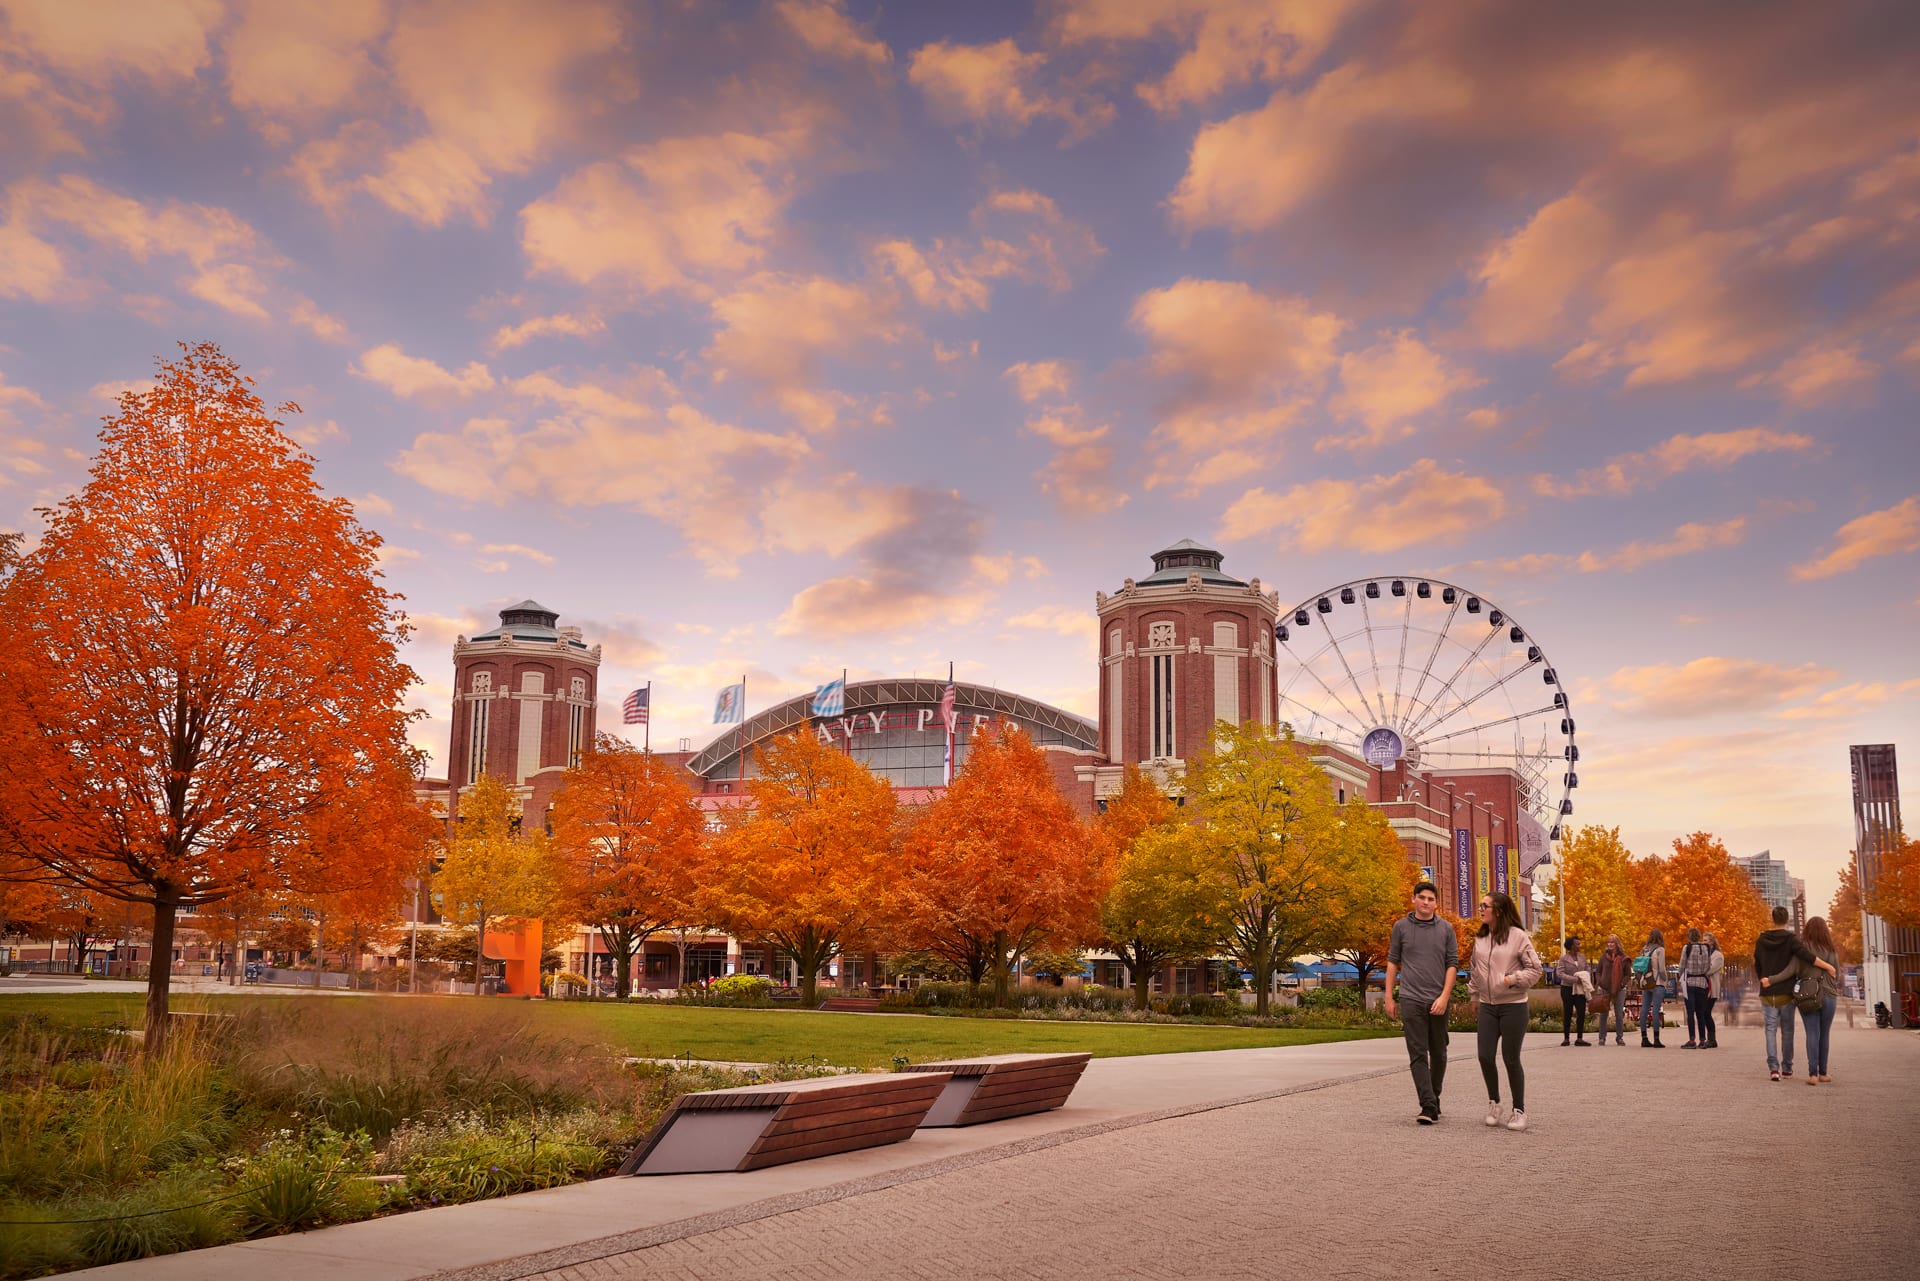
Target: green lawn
{"type": "Point", "coordinates": [762, 1036]}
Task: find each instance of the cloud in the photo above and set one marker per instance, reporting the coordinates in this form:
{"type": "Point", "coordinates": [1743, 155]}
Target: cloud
{"type": "Point", "coordinates": [1079, 476]}
{"type": "Point", "coordinates": [1528, 280]}
{"type": "Point", "coordinates": [1687, 539]}
{"type": "Point", "coordinates": [1850, 700]}
{"type": "Point", "coordinates": [1224, 44]}
{"type": "Point", "coordinates": [310, 435]}
{"type": "Point", "coordinates": [595, 446]}
{"type": "Point", "coordinates": [1819, 374]}
{"type": "Point", "coordinates": [508, 337]}
{"type": "Point", "coordinates": [297, 59]}
{"type": "Point", "coordinates": [906, 578]}
{"type": "Point", "coordinates": [826, 29]}
{"type": "Point", "coordinates": [997, 86]}
{"type": "Point", "coordinates": [1238, 367]}
{"type": "Point", "coordinates": [515, 549]}
{"type": "Point", "coordinates": [678, 214]}
{"type": "Point", "coordinates": [1632, 473]}
{"type": "Point", "coordinates": [1062, 620]}
{"type": "Point", "coordinates": [105, 39]}
{"type": "Point", "coordinates": [778, 331]}
{"type": "Point", "coordinates": [1393, 381]}
{"type": "Point", "coordinates": [1040, 379]}
{"type": "Point", "coordinates": [1712, 686]}
{"type": "Point", "coordinates": [410, 376]}
{"type": "Point", "coordinates": [1421, 505]}
{"type": "Point", "coordinates": [1023, 236]}
{"type": "Point", "coordinates": [1887, 532]}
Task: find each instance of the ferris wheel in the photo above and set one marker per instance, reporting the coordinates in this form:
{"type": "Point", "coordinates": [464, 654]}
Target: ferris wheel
{"type": "Point", "coordinates": [1416, 670]}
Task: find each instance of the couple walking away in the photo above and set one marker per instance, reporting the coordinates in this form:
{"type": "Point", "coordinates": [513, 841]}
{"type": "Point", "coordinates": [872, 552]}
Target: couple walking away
{"type": "Point", "coordinates": [1782, 958]}
{"type": "Point", "coordinates": [1424, 956]}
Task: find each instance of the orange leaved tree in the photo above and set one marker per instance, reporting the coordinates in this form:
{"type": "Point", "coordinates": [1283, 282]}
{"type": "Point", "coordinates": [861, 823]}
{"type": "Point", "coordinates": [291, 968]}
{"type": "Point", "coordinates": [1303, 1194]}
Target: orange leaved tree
{"type": "Point", "coordinates": [1698, 887]}
{"type": "Point", "coordinates": [1843, 913]}
{"type": "Point", "coordinates": [810, 867]}
{"type": "Point", "coordinates": [628, 837]}
{"type": "Point", "coordinates": [198, 663]}
{"type": "Point", "coordinates": [1896, 885]}
{"type": "Point", "coordinates": [1594, 870]}
{"type": "Point", "coordinates": [1364, 941]}
{"type": "Point", "coordinates": [1162, 902]}
{"type": "Point", "coordinates": [1000, 864]}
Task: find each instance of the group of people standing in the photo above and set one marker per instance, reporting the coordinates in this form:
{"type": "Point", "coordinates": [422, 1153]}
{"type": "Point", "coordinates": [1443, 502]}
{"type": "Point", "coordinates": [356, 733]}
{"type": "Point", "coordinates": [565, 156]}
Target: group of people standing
{"type": "Point", "coordinates": [1797, 972]}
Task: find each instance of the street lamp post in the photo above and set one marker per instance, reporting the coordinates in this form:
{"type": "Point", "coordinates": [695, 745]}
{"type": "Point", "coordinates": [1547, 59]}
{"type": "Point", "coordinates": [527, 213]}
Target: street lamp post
{"type": "Point", "coordinates": [413, 963]}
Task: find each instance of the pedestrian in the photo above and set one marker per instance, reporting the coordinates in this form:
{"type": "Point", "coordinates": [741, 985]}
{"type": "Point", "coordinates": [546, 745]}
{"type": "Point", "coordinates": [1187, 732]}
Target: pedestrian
{"type": "Point", "coordinates": [1818, 994]}
{"type": "Point", "coordinates": [1773, 951]}
{"type": "Point", "coordinates": [1734, 984]}
{"type": "Point", "coordinates": [1503, 969]}
{"type": "Point", "coordinates": [1696, 964]}
{"type": "Point", "coordinates": [1424, 955]}
{"type": "Point", "coordinates": [1611, 979]}
{"type": "Point", "coordinates": [1653, 985]}
{"type": "Point", "coordinates": [1576, 981]}
{"type": "Point", "coordinates": [1716, 968]}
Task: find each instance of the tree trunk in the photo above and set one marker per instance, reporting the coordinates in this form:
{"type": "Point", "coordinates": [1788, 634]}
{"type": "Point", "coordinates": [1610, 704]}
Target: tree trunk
{"type": "Point", "coordinates": [159, 977]}
{"type": "Point", "coordinates": [479, 950]}
{"type": "Point", "coordinates": [1002, 971]}
{"type": "Point", "coordinates": [319, 947]}
{"type": "Point", "coordinates": [623, 950]}
{"type": "Point", "coordinates": [1142, 979]}
{"type": "Point", "coordinates": [1263, 978]}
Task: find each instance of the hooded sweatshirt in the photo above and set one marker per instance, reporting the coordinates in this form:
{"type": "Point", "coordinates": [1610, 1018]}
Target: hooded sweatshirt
{"type": "Point", "coordinates": [1773, 951]}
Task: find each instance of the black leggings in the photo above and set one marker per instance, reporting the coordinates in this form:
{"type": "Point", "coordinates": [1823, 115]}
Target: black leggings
{"type": "Point", "coordinates": [1573, 1005]}
{"type": "Point", "coordinates": [1504, 1026]}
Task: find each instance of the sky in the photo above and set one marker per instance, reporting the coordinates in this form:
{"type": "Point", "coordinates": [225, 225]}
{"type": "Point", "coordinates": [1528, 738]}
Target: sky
{"type": "Point", "coordinates": [780, 338]}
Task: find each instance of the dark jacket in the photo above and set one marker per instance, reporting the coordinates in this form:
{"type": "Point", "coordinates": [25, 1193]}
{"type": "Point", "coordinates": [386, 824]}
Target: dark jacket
{"type": "Point", "coordinates": [1611, 972]}
{"type": "Point", "coordinates": [1774, 951]}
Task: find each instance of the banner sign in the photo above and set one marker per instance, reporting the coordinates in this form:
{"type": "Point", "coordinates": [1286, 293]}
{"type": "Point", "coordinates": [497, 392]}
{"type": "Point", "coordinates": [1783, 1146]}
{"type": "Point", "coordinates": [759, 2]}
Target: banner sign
{"type": "Point", "coordinates": [1500, 871]}
{"type": "Point", "coordinates": [1533, 843]}
{"type": "Point", "coordinates": [1480, 861]}
{"type": "Point", "coordinates": [1462, 861]}
{"type": "Point", "coordinates": [1513, 870]}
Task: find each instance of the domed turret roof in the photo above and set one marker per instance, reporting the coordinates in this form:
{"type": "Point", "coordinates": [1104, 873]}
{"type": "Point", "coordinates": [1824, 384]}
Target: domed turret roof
{"type": "Point", "coordinates": [1173, 564]}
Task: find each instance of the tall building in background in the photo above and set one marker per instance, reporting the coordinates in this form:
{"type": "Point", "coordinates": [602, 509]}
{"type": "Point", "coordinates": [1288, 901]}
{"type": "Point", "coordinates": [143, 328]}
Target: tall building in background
{"type": "Point", "coordinates": [1769, 876]}
{"type": "Point", "coordinates": [1892, 961]}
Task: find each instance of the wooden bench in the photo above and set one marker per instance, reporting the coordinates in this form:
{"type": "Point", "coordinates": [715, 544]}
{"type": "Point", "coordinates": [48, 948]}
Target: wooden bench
{"type": "Point", "coordinates": [851, 1004]}
{"type": "Point", "coordinates": [753, 1126]}
{"type": "Point", "coordinates": [997, 1086]}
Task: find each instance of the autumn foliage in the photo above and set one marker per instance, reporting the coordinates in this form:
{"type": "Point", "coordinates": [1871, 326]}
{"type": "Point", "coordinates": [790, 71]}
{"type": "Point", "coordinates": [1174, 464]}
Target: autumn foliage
{"type": "Point", "coordinates": [200, 667]}
{"type": "Point", "coordinates": [1001, 864]}
{"type": "Point", "coordinates": [496, 865]}
{"type": "Point", "coordinates": [628, 840]}
{"type": "Point", "coordinates": [810, 867]}
{"type": "Point", "coordinates": [1843, 913]}
{"type": "Point", "coordinates": [1594, 873]}
{"type": "Point", "coordinates": [1896, 885]}
{"type": "Point", "coordinates": [1699, 887]}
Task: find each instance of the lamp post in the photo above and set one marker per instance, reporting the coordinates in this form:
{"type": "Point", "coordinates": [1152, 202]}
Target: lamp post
{"type": "Point", "coordinates": [413, 963]}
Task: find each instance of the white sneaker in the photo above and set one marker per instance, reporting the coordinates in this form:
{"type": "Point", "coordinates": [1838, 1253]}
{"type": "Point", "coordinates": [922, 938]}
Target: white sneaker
{"type": "Point", "coordinates": [1493, 1112]}
{"type": "Point", "coordinates": [1518, 1121]}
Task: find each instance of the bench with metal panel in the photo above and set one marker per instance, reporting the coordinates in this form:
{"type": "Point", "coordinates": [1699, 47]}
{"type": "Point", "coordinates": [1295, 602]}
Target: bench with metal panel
{"type": "Point", "coordinates": [996, 1086]}
{"type": "Point", "coordinates": [750, 1127]}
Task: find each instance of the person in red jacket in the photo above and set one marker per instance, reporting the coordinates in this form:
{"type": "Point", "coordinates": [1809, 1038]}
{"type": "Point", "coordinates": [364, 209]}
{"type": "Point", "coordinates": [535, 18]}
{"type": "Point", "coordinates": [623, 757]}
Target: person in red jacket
{"type": "Point", "coordinates": [1611, 972]}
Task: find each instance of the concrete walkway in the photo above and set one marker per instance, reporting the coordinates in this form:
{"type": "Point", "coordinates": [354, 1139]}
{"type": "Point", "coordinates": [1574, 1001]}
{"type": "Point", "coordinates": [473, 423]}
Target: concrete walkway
{"type": "Point", "coordinates": [1252, 1163]}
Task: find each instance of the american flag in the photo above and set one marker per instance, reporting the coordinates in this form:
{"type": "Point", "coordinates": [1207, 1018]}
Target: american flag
{"type": "Point", "coordinates": [634, 710]}
{"type": "Point", "coordinates": [948, 719]}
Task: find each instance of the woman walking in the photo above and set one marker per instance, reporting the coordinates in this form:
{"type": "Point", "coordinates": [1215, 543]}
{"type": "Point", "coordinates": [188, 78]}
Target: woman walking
{"type": "Point", "coordinates": [1610, 975]}
{"type": "Point", "coordinates": [1503, 969]}
{"type": "Point", "coordinates": [1818, 996]}
{"type": "Point", "coordinates": [1696, 961]}
{"type": "Point", "coordinates": [1716, 968]}
{"type": "Point", "coordinates": [1653, 990]}
{"type": "Point", "coordinates": [1576, 980]}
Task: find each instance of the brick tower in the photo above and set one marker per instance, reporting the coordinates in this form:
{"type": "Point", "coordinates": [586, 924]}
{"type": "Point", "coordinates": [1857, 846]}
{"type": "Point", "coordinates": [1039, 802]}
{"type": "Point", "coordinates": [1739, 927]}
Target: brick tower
{"type": "Point", "coordinates": [1185, 646]}
{"type": "Point", "coordinates": [523, 704]}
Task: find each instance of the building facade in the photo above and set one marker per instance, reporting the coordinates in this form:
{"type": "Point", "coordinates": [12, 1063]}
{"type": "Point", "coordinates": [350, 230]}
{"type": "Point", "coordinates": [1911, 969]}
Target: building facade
{"type": "Point", "coordinates": [1891, 962]}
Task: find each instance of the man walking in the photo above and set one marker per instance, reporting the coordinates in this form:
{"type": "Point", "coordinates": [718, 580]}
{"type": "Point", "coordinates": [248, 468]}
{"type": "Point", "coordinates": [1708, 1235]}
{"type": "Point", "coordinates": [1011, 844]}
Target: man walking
{"type": "Point", "coordinates": [1423, 955]}
{"type": "Point", "coordinates": [1773, 951]}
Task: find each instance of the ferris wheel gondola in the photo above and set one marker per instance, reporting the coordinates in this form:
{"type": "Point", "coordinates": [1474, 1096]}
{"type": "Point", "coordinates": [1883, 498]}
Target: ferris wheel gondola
{"type": "Point", "coordinates": [1432, 674]}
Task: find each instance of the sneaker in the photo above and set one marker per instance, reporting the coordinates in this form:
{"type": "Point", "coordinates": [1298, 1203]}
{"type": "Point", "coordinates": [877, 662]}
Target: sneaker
{"type": "Point", "coordinates": [1690, 1045]}
{"type": "Point", "coordinates": [1825, 1079]}
{"type": "Point", "coordinates": [1619, 1040]}
{"type": "Point", "coordinates": [1518, 1121]}
{"type": "Point", "coordinates": [1426, 1117]}
{"type": "Point", "coordinates": [1493, 1112]}
{"type": "Point", "coordinates": [1583, 1042]}
{"type": "Point", "coordinates": [1773, 1076]}
{"type": "Point", "coordinates": [1787, 1071]}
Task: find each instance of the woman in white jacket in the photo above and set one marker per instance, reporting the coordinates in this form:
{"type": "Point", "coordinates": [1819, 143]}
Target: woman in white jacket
{"type": "Point", "coordinates": [1504, 969]}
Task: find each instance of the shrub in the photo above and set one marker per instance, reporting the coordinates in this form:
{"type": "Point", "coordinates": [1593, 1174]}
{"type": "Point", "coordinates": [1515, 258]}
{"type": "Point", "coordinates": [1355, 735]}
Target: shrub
{"type": "Point", "coordinates": [1331, 998]}
{"type": "Point", "coordinates": [468, 1158]}
{"type": "Point", "coordinates": [737, 991]}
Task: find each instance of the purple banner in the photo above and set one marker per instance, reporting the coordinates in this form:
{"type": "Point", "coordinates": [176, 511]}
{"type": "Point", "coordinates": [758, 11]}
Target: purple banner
{"type": "Point", "coordinates": [1500, 869]}
{"type": "Point", "coordinates": [1463, 870]}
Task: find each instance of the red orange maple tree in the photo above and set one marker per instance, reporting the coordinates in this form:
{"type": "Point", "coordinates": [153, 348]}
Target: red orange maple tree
{"type": "Point", "coordinates": [1896, 885]}
{"type": "Point", "coordinates": [198, 663]}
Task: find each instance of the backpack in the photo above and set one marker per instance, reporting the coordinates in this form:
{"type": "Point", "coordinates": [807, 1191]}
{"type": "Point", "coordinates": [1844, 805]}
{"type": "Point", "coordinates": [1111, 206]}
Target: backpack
{"type": "Point", "coordinates": [1699, 960]}
{"type": "Point", "coordinates": [1642, 965]}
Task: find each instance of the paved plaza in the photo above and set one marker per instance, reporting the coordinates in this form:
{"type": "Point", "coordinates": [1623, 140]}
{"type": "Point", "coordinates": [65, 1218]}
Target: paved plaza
{"type": "Point", "coordinates": [1257, 1163]}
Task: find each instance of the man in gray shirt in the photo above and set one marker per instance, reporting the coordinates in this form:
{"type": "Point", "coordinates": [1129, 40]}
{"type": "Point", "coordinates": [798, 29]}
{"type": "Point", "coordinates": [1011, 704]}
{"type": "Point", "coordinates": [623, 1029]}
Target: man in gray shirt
{"type": "Point", "coordinates": [1423, 956]}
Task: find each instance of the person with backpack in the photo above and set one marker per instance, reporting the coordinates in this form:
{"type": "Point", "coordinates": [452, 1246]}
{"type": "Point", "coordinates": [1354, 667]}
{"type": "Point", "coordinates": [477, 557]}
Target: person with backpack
{"type": "Point", "coordinates": [1817, 995]}
{"type": "Point", "coordinates": [1773, 951]}
{"type": "Point", "coordinates": [1716, 967]}
{"type": "Point", "coordinates": [1650, 971]}
{"type": "Point", "coordinates": [1575, 977]}
{"type": "Point", "coordinates": [1696, 964]}
{"type": "Point", "coordinates": [1612, 975]}
{"type": "Point", "coordinates": [1503, 968]}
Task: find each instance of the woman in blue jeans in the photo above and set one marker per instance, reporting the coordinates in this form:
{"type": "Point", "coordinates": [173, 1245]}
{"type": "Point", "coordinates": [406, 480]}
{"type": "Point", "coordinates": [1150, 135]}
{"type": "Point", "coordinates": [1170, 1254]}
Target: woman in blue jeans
{"type": "Point", "coordinates": [1820, 982]}
{"type": "Point", "coordinates": [1655, 950]}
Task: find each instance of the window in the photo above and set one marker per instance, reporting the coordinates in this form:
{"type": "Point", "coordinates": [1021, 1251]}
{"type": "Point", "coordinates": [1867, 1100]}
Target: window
{"type": "Point", "coordinates": [1161, 692]}
{"type": "Point", "coordinates": [477, 734]}
{"type": "Point", "coordinates": [533, 682]}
